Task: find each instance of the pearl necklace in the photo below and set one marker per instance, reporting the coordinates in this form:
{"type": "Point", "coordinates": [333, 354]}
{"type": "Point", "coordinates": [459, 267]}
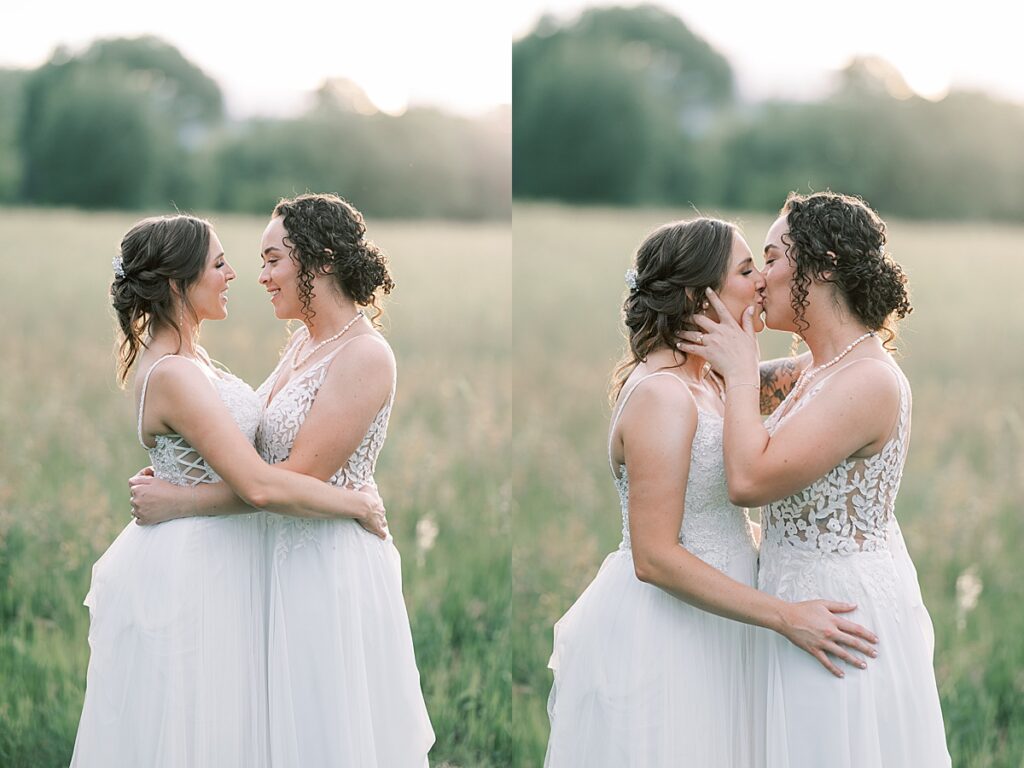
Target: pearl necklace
{"type": "Point", "coordinates": [296, 363]}
{"type": "Point", "coordinates": [807, 375]}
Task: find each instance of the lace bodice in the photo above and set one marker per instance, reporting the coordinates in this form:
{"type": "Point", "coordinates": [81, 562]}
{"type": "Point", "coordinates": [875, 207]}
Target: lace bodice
{"type": "Point", "coordinates": [173, 459]}
{"type": "Point", "coordinates": [713, 528]}
{"type": "Point", "coordinates": [284, 415]}
{"type": "Point", "coordinates": [849, 509]}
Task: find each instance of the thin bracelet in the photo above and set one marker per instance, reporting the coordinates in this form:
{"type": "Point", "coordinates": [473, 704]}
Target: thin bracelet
{"type": "Point", "coordinates": [743, 384]}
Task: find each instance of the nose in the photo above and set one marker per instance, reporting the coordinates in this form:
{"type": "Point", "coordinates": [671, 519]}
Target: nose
{"type": "Point", "coordinates": [229, 273]}
{"type": "Point", "coordinates": [264, 277]}
{"type": "Point", "coordinates": [759, 281]}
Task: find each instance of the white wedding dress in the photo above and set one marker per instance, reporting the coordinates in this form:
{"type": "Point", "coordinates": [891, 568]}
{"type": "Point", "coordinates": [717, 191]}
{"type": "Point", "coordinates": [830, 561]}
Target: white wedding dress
{"type": "Point", "coordinates": [643, 679]}
{"type": "Point", "coordinates": [838, 539]}
{"type": "Point", "coordinates": [177, 669]}
{"type": "Point", "coordinates": [343, 685]}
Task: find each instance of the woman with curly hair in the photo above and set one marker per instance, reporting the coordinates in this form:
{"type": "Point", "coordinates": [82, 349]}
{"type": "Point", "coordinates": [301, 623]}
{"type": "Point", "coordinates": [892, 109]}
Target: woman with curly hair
{"type": "Point", "coordinates": [177, 629]}
{"type": "Point", "coordinates": [826, 467]}
{"type": "Point", "coordinates": [655, 664]}
{"type": "Point", "coordinates": [342, 681]}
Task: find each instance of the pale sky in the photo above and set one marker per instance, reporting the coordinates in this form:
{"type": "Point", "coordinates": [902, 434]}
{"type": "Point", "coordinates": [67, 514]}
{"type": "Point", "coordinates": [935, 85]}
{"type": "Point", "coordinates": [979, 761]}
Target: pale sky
{"type": "Point", "coordinates": [792, 49]}
{"type": "Point", "coordinates": [267, 57]}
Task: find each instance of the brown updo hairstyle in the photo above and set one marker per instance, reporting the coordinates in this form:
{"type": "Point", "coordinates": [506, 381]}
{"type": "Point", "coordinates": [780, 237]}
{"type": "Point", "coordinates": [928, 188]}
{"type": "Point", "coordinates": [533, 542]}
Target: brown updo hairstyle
{"type": "Point", "coordinates": [674, 265]}
{"type": "Point", "coordinates": [161, 257]}
{"type": "Point", "coordinates": [873, 286]}
{"type": "Point", "coordinates": [327, 235]}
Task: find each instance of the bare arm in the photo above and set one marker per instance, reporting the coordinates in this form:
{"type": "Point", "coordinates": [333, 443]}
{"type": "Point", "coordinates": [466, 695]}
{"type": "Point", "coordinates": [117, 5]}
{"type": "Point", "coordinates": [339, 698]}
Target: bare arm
{"type": "Point", "coordinates": [183, 401]}
{"type": "Point", "coordinates": [357, 385]}
{"type": "Point", "coordinates": [657, 435]}
{"type": "Point", "coordinates": [778, 377]}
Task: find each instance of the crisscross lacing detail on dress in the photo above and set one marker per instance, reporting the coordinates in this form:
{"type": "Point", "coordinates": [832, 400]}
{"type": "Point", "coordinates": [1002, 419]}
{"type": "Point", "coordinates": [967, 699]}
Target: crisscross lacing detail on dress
{"type": "Point", "coordinates": [172, 457]}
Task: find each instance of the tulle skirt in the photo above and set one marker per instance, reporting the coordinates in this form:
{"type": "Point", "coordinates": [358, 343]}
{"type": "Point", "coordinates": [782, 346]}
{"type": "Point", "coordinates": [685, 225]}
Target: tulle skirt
{"type": "Point", "coordinates": [644, 680]}
{"type": "Point", "coordinates": [344, 689]}
{"type": "Point", "coordinates": [176, 674]}
{"type": "Point", "coordinates": [886, 716]}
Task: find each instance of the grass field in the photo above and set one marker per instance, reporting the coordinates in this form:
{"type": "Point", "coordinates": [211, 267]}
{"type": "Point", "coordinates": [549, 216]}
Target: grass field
{"type": "Point", "coordinates": [960, 503]}
{"type": "Point", "coordinates": [67, 447]}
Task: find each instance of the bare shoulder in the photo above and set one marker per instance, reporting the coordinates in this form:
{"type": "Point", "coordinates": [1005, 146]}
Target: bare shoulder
{"type": "Point", "coordinates": [178, 376]}
{"type": "Point", "coordinates": [367, 361]}
{"type": "Point", "coordinates": [661, 398]}
{"type": "Point", "coordinates": [873, 384]}
{"type": "Point", "coordinates": [370, 350]}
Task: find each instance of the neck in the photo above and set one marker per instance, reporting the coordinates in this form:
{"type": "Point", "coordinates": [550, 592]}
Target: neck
{"type": "Point", "coordinates": [828, 340]}
{"type": "Point", "coordinates": [167, 338]}
{"type": "Point", "coordinates": [831, 326]}
{"type": "Point", "coordinates": [693, 368]}
{"type": "Point", "coordinates": [330, 318]}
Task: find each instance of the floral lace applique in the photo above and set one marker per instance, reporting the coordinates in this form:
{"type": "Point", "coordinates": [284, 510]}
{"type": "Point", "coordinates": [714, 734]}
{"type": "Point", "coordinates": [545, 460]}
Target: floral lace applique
{"type": "Point", "coordinates": [283, 418]}
{"type": "Point", "coordinates": [850, 508]}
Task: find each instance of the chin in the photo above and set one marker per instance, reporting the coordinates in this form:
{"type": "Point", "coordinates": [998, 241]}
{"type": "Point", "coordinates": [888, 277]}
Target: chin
{"type": "Point", "coordinates": [776, 325]}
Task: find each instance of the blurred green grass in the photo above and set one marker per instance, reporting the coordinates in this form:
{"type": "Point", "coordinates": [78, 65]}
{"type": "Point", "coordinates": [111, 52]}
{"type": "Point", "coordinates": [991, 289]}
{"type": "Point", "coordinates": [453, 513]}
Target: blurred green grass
{"type": "Point", "coordinates": [960, 502]}
{"type": "Point", "coordinates": [67, 447]}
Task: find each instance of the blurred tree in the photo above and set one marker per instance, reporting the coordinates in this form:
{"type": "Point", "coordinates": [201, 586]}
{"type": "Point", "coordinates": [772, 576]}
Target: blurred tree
{"type": "Point", "coordinates": [12, 83]}
{"type": "Point", "coordinates": [132, 123]}
{"type": "Point", "coordinates": [625, 105]}
{"type": "Point", "coordinates": [610, 107]}
{"type": "Point", "coordinates": [424, 163]}
{"type": "Point", "coordinates": [956, 158]}
{"type": "Point", "coordinates": [112, 126]}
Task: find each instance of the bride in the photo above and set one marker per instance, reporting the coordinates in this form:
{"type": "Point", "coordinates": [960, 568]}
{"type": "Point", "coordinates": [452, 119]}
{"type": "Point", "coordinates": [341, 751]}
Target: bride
{"type": "Point", "coordinates": [649, 666]}
{"type": "Point", "coordinates": [341, 675]}
{"type": "Point", "coordinates": [826, 467]}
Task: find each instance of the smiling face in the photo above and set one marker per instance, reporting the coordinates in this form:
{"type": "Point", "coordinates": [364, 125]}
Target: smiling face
{"type": "Point", "coordinates": [280, 273]}
{"type": "Point", "coordinates": [208, 295]}
{"type": "Point", "coordinates": [778, 279]}
{"type": "Point", "coordinates": [741, 287]}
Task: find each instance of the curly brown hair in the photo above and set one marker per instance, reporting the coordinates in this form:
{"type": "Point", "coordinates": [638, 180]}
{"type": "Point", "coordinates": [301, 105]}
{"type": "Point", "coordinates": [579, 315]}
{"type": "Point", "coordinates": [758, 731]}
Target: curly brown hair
{"type": "Point", "coordinates": [839, 239]}
{"type": "Point", "coordinates": [327, 235]}
{"type": "Point", "coordinates": [674, 265]}
{"type": "Point", "coordinates": [161, 258]}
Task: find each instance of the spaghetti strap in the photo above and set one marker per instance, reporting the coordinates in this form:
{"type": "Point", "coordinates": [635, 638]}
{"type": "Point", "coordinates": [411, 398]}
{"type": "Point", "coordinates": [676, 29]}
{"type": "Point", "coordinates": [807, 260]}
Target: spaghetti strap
{"type": "Point", "coordinates": [142, 397]}
{"type": "Point", "coordinates": [334, 352]}
{"type": "Point", "coordinates": [330, 355]}
{"type": "Point", "coordinates": [620, 406]}
{"type": "Point", "coordinates": [903, 414]}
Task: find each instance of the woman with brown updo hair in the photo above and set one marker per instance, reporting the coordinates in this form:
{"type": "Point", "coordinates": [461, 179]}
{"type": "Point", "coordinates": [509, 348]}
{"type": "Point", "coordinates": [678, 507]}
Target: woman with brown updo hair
{"type": "Point", "coordinates": [826, 467]}
{"type": "Point", "coordinates": [342, 681]}
{"type": "Point", "coordinates": [655, 664]}
{"type": "Point", "coordinates": [177, 673]}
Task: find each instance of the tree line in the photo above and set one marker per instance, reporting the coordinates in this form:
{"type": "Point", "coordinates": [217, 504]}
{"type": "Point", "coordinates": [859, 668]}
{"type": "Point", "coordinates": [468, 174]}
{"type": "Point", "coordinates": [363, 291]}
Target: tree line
{"type": "Point", "coordinates": [131, 123]}
{"type": "Point", "coordinates": [629, 106]}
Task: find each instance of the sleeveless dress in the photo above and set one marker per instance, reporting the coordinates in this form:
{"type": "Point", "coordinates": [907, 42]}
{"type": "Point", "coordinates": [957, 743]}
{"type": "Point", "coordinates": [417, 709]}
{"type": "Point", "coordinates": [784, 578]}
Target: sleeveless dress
{"type": "Point", "coordinates": [643, 679]}
{"type": "Point", "coordinates": [343, 685]}
{"type": "Point", "coordinates": [838, 538]}
{"type": "Point", "coordinates": [177, 627]}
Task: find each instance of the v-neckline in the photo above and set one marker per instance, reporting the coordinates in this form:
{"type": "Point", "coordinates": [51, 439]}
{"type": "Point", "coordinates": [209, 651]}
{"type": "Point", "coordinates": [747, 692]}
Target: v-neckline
{"type": "Point", "coordinates": [273, 396]}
